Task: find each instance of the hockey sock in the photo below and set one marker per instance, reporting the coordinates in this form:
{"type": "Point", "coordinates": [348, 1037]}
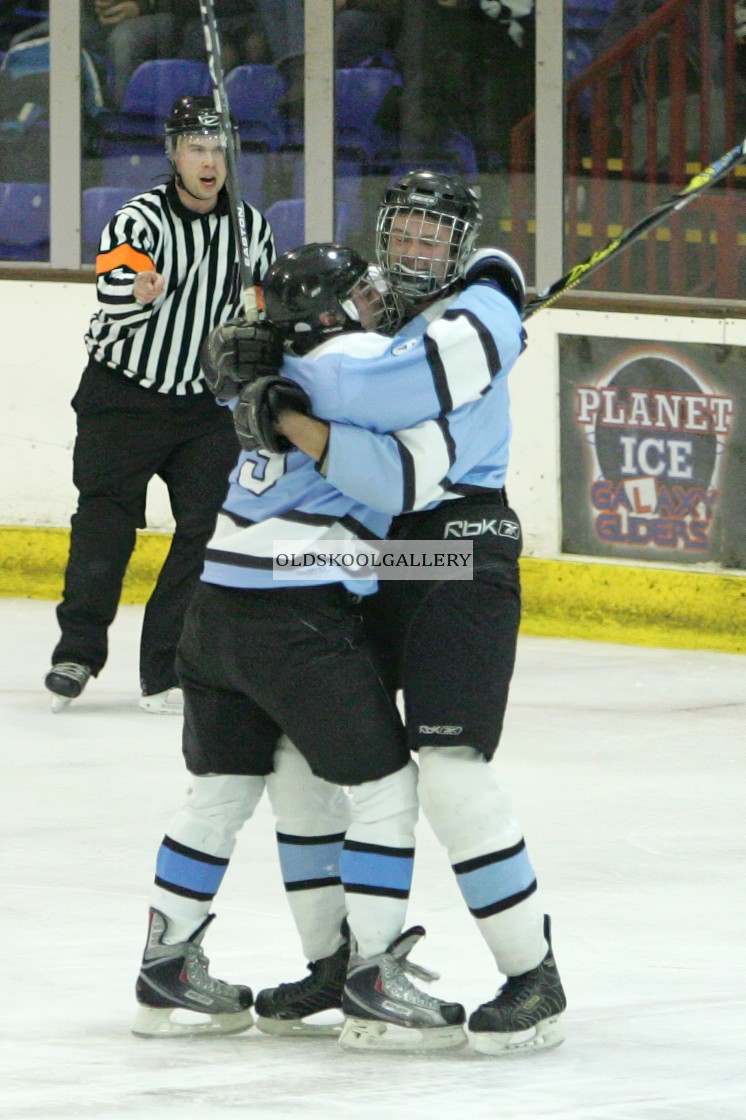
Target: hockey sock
{"type": "Point", "coordinates": [199, 841]}
{"type": "Point", "coordinates": [311, 819]}
{"type": "Point", "coordinates": [377, 858]}
{"type": "Point", "coordinates": [470, 814]}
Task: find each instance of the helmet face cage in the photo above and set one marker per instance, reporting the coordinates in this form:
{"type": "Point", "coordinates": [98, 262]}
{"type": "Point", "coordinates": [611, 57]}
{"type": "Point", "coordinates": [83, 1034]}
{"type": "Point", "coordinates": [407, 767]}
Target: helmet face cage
{"type": "Point", "coordinates": [427, 225]}
{"type": "Point", "coordinates": [421, 251]}
{"type": "Point", "coordinates": [374, 304]}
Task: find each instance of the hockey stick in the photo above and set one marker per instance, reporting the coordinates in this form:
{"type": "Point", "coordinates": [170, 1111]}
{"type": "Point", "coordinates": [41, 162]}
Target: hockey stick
{"type": "Point", "coordinates": [238, 215]}
{"type": "Point", "coordinates": [695, 187]}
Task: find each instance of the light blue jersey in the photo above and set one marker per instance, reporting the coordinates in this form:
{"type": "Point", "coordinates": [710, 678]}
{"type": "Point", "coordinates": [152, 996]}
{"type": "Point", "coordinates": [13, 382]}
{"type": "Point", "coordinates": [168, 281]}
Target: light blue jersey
{"type": "Point", "coordinates": [415, 419]}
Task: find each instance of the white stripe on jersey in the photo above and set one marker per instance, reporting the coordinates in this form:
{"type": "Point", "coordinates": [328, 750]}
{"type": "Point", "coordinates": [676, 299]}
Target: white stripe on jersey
{"type": "Point", "coordinates": [259, 540]}
{"type": "Point", "coordinates": [431, 459]}
{"type": "Point", "coordinates": [463, 359]}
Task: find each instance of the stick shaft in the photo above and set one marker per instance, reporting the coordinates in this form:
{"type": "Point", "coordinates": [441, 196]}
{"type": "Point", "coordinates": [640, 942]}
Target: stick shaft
{"type": "Point", "coordinates": [238, 214]}
{"type": "Point", "coordinates": [695, 187]}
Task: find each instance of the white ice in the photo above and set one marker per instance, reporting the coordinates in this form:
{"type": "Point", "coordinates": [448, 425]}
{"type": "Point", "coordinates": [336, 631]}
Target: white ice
{"type": "Point", "coordinates": [626, 767]}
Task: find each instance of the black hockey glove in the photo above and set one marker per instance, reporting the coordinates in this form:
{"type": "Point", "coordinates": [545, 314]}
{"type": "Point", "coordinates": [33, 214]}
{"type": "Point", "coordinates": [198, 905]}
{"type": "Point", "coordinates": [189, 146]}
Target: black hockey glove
{"type": "Point", "coordinates": [259, 404]}
{"type": "Point", "coordinates": [501, 269]}
{"type": "Point", "coordinates": [237, 352]}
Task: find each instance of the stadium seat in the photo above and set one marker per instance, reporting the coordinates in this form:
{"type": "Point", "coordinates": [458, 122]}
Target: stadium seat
{"type": "Point", "coordinates": [587, 15]}
{"type": "Point", "coordinates": [253, 93]}
{"type": "Point", "coordinates": [359, 94]}
{"type": "Point", "coordinates": [144, 166]}
{"type": "Point", "coordinates": [155, 85]}
{"type": "Point", "coordinates": [251, 177]}
{"type": "Point", "coordinates": [150, 95]}
{"type": "Point", "coordinates": [24, 221]}
{"type": "Point", "coordinates": [288, 221]}
{"type": "Point", "coordinates": [99, 206]}
{"type": "Point", "coordinates": [456, 155]}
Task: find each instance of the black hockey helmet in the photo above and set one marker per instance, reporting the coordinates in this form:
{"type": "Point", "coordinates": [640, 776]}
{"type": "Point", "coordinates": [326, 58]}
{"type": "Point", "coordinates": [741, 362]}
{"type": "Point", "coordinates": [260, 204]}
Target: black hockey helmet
{"type": "Point", "coordinates": [192, 115]}
{"type": "Point", "coordinates": [323, 289]}
{"type": "Point", "coordinates": [433, 209]}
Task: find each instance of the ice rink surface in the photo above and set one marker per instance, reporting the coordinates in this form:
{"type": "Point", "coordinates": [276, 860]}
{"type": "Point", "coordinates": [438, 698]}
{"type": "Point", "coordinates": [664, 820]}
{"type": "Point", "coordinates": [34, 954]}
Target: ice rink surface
{"type": "Point", "coordinates": [627, 769]}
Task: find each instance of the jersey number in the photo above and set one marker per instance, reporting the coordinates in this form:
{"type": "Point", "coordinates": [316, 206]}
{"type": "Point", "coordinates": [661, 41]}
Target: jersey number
{"type": "Point", "coordinates": [258, 476]}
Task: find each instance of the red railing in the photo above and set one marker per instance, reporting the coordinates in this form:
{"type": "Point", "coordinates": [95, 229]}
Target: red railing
{"type": "Point", "coordinates": [629, 144]}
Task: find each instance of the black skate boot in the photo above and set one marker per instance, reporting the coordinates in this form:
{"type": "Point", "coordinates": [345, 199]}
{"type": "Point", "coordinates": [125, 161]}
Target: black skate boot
{"type": "Point", "coordinates": [66, 679]}
{"type": "Point", "coordinates": [524, 1015]}
{"type": "Point", "coordinates": [285, 1009]}
{"type": "Point", "coordinates": [384, 1010]}
{"type": "Point", "coordinates": [176, 977]}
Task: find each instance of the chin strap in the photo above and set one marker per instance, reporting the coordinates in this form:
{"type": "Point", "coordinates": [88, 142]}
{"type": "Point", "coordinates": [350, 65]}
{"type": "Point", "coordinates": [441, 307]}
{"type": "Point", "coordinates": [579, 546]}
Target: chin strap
{"type": "Point", "coordinates": [180, 183]}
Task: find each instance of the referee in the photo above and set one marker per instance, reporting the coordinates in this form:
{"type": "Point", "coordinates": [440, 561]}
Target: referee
{"type": "Point", "coordinates": [167, 273]}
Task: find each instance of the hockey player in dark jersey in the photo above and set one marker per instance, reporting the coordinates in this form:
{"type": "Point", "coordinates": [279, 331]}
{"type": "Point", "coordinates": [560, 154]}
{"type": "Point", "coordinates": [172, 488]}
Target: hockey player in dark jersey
{"type": "Point", "coordinates": [264, 656]}
{"type": "Point", "coordinates": [167, 273]}
{"type": "Point", "coordinates": [449, 646]}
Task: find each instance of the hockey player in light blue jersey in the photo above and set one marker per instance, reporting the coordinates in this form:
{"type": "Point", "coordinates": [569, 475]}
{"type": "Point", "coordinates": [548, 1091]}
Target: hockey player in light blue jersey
{"type": "Point", "coordinates": [450, 647]}
{"type": "Point", "coordinates": [262, 658]}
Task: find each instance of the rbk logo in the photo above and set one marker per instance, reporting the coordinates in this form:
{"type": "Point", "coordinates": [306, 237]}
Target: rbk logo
{"type": "Point", "coordinates": [470, 528]}
{"type": "Point", "coordinates": [509, 529]}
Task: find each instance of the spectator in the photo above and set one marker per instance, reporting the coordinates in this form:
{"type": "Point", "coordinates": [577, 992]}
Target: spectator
{"type": "Point", "coordinates": [242, 39]}
{"type": "Point", "coordinates": [361, 28]}
{"type": "Point", "coordinates": [120, 34]}
{"type": "Point", "coordinates": [468, 67]}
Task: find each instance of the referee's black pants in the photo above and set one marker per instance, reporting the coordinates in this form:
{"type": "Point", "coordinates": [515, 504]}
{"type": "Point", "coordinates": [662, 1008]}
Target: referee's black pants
{"type": "Point", "coordinates": [126, 436]}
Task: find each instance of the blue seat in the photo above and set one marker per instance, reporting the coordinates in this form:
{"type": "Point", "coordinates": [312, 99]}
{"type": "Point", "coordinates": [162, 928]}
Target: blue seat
{"type": "Point", "coordinates": [144, 165]}
{"type": "Point", "coordinates": [456, 155]}
{"type": "Point", "coordinates": [359, 95]}
{"type": "Point", "coordinates": [155, 85]}
{"type": "Point", "coordinates": [253, 93]}
{"type": "Point", "coordinates": [587, 15]}
{"type": "Point", "coordinates": [24, 221]}
{"type": "Point", "coordinates": [287, 218]}
{"type": "Point", "coordinates": [27, 58]}
{"type": "Point", "coordinates": [151, 92]}
{"type": "Point", "coordinates": [251, 177]}
{"type": "Point", "coordinates": [99, 206]}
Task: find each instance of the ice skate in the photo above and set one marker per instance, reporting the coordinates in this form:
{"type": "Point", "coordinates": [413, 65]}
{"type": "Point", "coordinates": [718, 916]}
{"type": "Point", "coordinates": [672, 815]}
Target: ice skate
{"type": "Point", "coordinates": [66, 680]}
{"type": "Point", "coordinates": [168, 703]}
{"type": "Point", "coordinates": [285, 1010]}
{"type": "Point", "coordinates": [176, 979]}
{"type": "Point", "coordinates": [524, 1015]}
{"type": "Point", "coordinates": [384, 1010]}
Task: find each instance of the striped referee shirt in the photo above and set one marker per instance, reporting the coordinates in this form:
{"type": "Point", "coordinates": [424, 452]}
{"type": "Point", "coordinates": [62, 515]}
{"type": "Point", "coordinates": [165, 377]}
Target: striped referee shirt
{"type": "Point", "coordinates": [157, 345]}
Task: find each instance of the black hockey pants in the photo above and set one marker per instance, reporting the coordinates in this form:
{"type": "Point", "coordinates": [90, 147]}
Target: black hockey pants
{"type": "Point", "coordinates": [126, 436]}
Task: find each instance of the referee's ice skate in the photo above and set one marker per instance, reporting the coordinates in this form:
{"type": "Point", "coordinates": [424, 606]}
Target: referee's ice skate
{"type": "Point", "coordinates": [176, 978]}
{"type": "Point", "coordinates": [284, 1010]}
{"type": "Point", "coordinates": [524, 1015]}
{"type": "Point", "coordinates": [384, 1011]}
{"type": "Point", "coordinates": [66, 680]}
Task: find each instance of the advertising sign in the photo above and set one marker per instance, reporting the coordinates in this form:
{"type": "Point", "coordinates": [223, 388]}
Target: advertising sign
{"type": "Point", "coordinates": [653, 447]}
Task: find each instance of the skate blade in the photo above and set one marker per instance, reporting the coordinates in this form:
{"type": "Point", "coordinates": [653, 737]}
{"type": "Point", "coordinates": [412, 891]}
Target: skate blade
{"type": "Point", "coordinates": [59, 703]}
{"type": "Point", "coordinates": [158, 707]}
{"type": "Point", "coordinates": [298, 1028]}
{"type": "Point", "coordinates": [544, 1036]}
{"type": "Point", "coordinates": [374, 1034]}
{"type": "Point", "coordinates": [157, 1022]}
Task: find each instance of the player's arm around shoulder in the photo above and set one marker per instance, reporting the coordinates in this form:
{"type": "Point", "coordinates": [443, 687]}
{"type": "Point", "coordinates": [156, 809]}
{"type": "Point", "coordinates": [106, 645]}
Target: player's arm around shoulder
{"type": "Point", "coordinates": [482, 325]}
